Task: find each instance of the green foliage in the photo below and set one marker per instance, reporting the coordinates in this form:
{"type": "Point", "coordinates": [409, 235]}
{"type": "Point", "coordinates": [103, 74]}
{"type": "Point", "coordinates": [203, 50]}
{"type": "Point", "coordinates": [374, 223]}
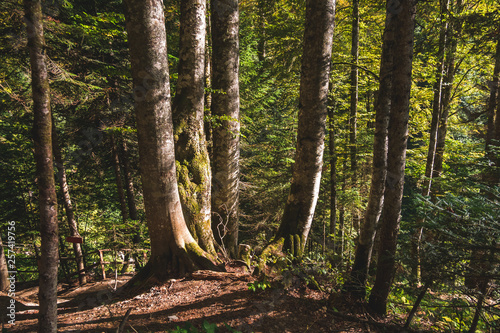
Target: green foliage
{"type": "Point", "coordinates": [262, 284]}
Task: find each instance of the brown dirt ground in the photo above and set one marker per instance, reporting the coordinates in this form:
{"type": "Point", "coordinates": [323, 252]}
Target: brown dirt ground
{"type": "Point", "coordinates": [97, 308]}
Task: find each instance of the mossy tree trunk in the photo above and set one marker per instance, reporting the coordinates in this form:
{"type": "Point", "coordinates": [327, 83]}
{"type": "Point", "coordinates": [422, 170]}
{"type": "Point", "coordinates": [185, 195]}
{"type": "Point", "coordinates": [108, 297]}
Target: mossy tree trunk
{"type": "Point", "coordinates": [359, 273]}
{"type": "Point", "coordinates": [174, 251]}
{"type": "Point", "coordinates": [226, 123]}
{"type": "Point", "coordinates": [42, 138]}
{"type": "Point", "coordinates": [193, 164]}
{"type": "Point", "coordinates": [68, 205]}
{"type": "Point", "coordinates": [313, 100]}
{"type": "Point", "coordinates": [404, 25]}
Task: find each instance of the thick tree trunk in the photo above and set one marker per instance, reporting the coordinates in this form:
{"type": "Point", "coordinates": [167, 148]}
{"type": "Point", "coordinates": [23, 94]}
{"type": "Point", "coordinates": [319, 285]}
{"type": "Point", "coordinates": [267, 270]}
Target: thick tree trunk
{"type": "Point", "coordinates": [68, 205]}
{"type": "Point", "coordinates": [364, 246]}
{"type": "Point", "coordinates": [193, 164]}
{"type": "Point", "coordinates": [404, 22]}
{"type": "Point", "coordinates": [118, 177]}
{"type": "Point", "coordinates": [129, 183]}
{"type": "Point", "coordinates": [4, 271]}
{"type": "Point", "coordinates": [42, 137]}
{"type": "Point", "coordinates": [313, 100]}
{"type": "Point", "coordinates": [226, 129]}
{"type": "Point", "coordinates": [173, 248]}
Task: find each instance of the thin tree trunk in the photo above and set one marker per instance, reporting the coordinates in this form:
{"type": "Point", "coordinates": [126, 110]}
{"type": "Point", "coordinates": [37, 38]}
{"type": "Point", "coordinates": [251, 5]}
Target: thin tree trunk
{"type": "Point", "coordinates": [129, 183]}
{"type": "Point", "coordinates": [42, 132]}
{"type": "Point", "coordinates": [454, 29]}
{"type": "Point", "coordinates": [404, 23]}
{"type": "Point", "coordinates": [261, 29]}
{"type": "Point", "coordinates": [364, 246]}
{"type": "Point", "coordinates": [118, 177]}
{"type": "Point", "coordinates": [226, 134]}
{"type": "Point", "coordinates": [433, 132]}
{"type": "Point", "coordinates": [354, 104]}
{"type": "Point", "coordinates": [193, 164]}
{"type": "Point", "coordinates": [68, 205]}
{"type": "Point", "coordinates": [449, 49]}
{"type": "Point", "coordinates": [4, 270]}
{"type": "Point", "coordinates": [173, 249]}
{"type": "Point", "coordinates": [491, 131]}
{"type": "Point", "coordinates": [313, 101]}
{"type": "Point", "coordinates": [333, 175]}
{"type": "Point", "coordinates": [436, 105]}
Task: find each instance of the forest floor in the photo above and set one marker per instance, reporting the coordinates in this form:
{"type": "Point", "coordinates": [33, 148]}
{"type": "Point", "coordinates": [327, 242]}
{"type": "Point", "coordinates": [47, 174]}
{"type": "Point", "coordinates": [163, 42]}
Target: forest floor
{"type": "Point", "coordinates": [96, 307]}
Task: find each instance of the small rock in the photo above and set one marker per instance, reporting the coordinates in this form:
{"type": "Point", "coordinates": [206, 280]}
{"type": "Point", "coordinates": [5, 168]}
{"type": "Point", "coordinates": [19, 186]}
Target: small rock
{"type": "Point", "coordinates": [172, 318]}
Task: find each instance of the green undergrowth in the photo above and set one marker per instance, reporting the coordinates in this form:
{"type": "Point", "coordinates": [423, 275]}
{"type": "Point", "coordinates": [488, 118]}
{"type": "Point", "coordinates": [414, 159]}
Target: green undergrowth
{"type": "Point", "coordinates": [440, 311]}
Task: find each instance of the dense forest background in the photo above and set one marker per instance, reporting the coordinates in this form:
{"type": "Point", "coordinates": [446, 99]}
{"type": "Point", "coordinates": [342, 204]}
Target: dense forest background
{"type": "Point", "coordinates": [449, 235]}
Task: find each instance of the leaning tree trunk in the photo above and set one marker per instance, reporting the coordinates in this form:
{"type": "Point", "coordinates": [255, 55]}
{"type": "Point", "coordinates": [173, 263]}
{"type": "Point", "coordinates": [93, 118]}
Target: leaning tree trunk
{"type": "Point", "coordinates": [68, 205]}
{"type": "Point", "coordinates": [226, 127]}
{"type": "Point", "coordinates": [42, 138]}
{"type": "Point", "coordinates": [404, 23]}
{"type": "Point", "coordinates": [359, 273]}
{"type": "Point", "coordinates": [4, 271]}
{"type": "Point", "coordinates": [193, 164]}
{"type": "Point", "coordinates": [313, 101]}
{"type": "Point", "coordinates": [173, 248]}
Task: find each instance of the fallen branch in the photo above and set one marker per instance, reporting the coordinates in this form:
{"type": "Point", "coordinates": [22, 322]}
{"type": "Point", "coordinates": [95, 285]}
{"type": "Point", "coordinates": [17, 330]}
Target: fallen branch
{"type": "Point", "coordinates": [121, 328]}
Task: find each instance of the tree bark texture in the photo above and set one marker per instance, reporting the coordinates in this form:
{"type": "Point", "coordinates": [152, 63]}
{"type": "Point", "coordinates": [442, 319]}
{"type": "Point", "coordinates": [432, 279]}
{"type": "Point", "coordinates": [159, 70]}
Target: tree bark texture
{"type": "Point", "coordinates": [313, 100]}
{"type": "Point", "coordinates": [193, 163]}
{"type": "Point", "coordinates": [364, 246]}
{"type": "Point", "coordinates": [173, 248]}
{"type": "Point", "coordinates": [68, 205]}
{"type": "Point", "coordinates": [42, 137]}
{"type": "Point", "coordinates": [226, 127]}
{"type": "Point", "coordinates": [404, 23]}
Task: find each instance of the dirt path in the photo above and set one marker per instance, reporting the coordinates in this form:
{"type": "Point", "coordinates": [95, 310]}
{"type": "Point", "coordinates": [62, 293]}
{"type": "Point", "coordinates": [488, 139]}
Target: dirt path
{"type": "Point", "coordinates": [97, 308]}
